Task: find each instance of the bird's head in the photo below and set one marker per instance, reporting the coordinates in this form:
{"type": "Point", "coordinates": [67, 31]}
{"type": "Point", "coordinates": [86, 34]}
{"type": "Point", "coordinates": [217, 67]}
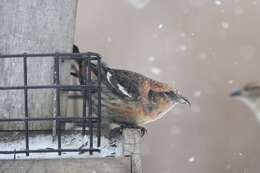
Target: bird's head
{"type": "Point", "coordinates": [249, 94]}
{"type": "Point", "coordinates": [162, 102]}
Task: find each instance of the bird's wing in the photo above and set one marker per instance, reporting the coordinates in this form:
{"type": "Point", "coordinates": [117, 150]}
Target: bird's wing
{"type": "Point", "coordinates": [121, 82]}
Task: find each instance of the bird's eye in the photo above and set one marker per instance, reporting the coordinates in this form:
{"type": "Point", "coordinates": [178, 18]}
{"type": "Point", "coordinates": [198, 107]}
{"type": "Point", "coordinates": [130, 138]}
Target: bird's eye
{"type": "Point", "coordinates": [151, 95]}
{"type": "Point", "coordinates": [155, 96]}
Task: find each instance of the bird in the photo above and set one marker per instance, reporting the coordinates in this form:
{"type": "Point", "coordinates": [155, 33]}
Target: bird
{"type": "Point", "coordinates": [250, 95]}
{"type": "Point", "coordinates": [130, 99]}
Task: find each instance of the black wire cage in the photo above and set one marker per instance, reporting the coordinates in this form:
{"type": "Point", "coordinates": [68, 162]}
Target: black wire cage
{"type": "Point", "coordinates": [89, 123]}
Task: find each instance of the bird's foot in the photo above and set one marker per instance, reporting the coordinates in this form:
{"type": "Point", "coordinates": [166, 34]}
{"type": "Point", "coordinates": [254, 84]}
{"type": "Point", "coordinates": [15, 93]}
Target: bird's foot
{"type": "Point", "coordinates": [115, 133]}
{"type": "Point", "coordinates": [82, 147]}
{"type": "Point", "coordinates": [143, 130]}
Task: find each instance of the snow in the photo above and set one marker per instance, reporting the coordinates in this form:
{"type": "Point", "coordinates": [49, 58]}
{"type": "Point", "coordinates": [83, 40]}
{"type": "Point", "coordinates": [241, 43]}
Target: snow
{"type": "Point", "coordinates": [230, 82]}
{"type": "Point", "coordinates": [239, 154]}
{"type": "Point", "coordinates": [156, 70]}
{"type": "Point", "coordinates": [109, 39]}
{"type": "Point", "coordinates": [72, 141]}
{"type": "Point", "coordinates": [160, 26]}
{"type": "Point", "coordinates": [217, 2]}
{"type": "Point", "coordinates": [183, 34]}
{"type": "Point", "coordinates": [151, 58]}
{"type": "Point", "coordinates": [191, 159]}
{"type": "Point", "coordinates": [139, 4]}
{"type": "Point", "coordinates": [225, 25]}
{"type": "Point", "coordinates": [197, 93]}
{"type": "Point", "coordinates": [183, 47]}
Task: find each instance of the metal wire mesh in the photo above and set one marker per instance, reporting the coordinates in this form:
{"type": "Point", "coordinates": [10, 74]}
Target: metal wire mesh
{"type": "Point", "coordinates": [86, 89]}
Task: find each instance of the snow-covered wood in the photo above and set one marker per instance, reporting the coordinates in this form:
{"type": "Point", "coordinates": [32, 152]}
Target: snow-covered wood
{"type": "Point", "coordinates": [69, 140]}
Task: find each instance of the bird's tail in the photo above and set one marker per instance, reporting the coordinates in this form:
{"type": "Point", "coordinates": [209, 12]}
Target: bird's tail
{"type": "Point", "coordinates": [81, 68]}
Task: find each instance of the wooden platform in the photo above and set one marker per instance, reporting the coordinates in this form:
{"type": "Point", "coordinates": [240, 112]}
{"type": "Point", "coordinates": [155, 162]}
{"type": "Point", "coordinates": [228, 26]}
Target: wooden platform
{"type": "Point", "coordinates": [99, 165]}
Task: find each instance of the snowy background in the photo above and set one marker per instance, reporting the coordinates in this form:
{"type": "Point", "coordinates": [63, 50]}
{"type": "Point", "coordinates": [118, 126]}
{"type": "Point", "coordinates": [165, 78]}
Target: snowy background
{"type": "Point", "coordinates": [206, 48]}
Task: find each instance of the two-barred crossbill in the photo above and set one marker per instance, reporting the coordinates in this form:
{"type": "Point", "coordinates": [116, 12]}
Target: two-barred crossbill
{"type": "Point", "coordinates": [130, 99]}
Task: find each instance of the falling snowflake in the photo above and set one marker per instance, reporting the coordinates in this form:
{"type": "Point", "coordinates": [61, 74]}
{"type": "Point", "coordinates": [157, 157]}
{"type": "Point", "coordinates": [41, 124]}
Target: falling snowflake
{"type": "Point", "coordinates": [183, 34]}
{"type": "Point", "coordinates": [217, 2]}
{"type": "Point", "coordinates": [197, 93]}
{"type": "Point", "coordinates": [156, 70]}
{"type": "Point", "coordinates": [225, 25]}
{"type": "Point", "coordinates": [191, 159]}
{"type": "Point", "coordinates": [151, 58]}
{"type": "Point", "coordinates": [239, 154]}
{"type": "Point", "coordinates": [109, 39]}
{"type": "Point", "coordinates": [230, 82]}
{"type": "Point", "coordinates": [160, 26]}
{"type": "Point", "coordinates": [139, 4]}
{"type": "Point", "coordinates": [183, 47]}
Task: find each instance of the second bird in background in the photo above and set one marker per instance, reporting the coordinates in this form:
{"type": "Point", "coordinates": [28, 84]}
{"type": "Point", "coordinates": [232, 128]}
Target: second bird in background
{"type": "Point", "coordinates": [250, 95]}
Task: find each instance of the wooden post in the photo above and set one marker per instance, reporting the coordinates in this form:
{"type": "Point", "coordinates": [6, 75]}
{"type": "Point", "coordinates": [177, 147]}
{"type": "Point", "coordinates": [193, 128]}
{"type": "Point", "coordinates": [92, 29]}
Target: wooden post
{"type": "Point", "coordinates": [131, 147]}
{"type": "Point", "coordinates": [33, 26]}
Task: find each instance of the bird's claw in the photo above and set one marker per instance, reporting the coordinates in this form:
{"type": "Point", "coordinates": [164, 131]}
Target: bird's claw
{"type": "Point", "coordinates": [82, 147]}
{"type": "Point", "coordinates": [143, 131]}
